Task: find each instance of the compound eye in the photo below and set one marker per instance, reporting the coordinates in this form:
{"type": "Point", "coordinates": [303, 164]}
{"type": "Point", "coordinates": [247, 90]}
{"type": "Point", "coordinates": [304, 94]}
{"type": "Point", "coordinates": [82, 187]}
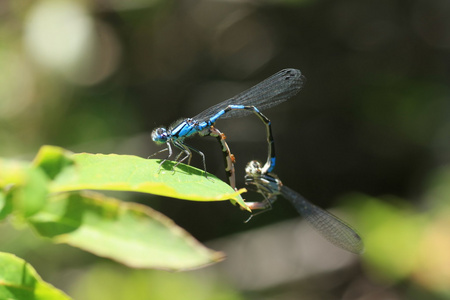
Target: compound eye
{"type": "Point", "coordinates": [159, 135]}
{"type": "Point", "coordinates": [253, 168]}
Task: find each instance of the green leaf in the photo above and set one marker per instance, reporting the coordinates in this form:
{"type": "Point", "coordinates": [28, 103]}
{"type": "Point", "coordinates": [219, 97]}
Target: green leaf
{"type": "Point", "coordinates": [5, 205]}
{"type": "Point", "coordinates": [24, 187]}
{"type": "Point", "coordinates": [19, 280]}
{"type": "Point", "coordinates": [129, 233]}
{"type": "Point", "coordinates": [131, 173]}
{"type": "Point", "coordinates": [53, 160]}
{"type": "Point", "coordinates": [12, 172]}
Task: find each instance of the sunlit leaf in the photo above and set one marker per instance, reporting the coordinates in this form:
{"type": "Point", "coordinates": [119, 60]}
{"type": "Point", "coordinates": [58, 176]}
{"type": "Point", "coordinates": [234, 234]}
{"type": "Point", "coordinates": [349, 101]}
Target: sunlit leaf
{"type": "Point", "coordinates": [131, 173]}
{"type": "Point", "coordinates": [19, 281]}
{"type": "Point", "coordinates": [24, 187]}
{"type": "Point", "coordinates": [129, 233]}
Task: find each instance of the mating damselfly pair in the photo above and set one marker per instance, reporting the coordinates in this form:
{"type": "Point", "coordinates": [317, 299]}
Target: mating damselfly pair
{"type": "Point", "coordinates": [272, 91]}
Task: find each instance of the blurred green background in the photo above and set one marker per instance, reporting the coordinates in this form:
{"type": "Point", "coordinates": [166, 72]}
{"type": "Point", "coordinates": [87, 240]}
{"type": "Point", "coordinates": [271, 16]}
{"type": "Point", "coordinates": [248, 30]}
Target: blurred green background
{"type": "Point", "coordinates": [368, 135]}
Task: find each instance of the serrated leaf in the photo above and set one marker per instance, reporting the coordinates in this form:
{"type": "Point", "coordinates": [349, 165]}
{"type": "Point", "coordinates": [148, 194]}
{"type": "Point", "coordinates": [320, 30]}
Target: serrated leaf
{"type": "Point", "coordinates": [129, 233]}
{"type": "Point", "coordinates": [20, 281]}
{"type": "Point", "coordinates": [131, 173]}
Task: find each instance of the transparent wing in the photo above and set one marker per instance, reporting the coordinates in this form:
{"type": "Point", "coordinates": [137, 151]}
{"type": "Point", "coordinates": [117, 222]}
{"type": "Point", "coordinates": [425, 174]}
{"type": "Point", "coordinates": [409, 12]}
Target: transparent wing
{"type": "Point", "coordinates": [330, 226]}
{"type": "Point", "coordinates": [268, 93]}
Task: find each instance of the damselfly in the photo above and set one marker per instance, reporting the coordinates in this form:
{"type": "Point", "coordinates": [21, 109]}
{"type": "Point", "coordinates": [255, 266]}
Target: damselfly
{"type": "Point", "coordinates": [268, 93]}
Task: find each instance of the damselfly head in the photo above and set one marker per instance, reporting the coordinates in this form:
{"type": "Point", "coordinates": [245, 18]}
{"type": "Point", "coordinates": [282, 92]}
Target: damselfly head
{"type": "Point", "coordinates": [160, 135]}
{"type": "Point", "coordinates": [267, 184]}
{"type": "Point", "coordinates": [253, 173]}
{"type": "Point", "coordinates": [253, 168]}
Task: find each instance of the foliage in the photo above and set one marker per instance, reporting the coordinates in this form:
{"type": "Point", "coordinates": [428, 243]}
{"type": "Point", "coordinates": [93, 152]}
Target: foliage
{"type": "Point", "coordinates": [50, 196]}
{"type": "Point", "coordinates": [20, 281]}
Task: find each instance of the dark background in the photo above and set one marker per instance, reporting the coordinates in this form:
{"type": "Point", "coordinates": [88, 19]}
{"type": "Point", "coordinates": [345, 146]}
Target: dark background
{"type": "Point", "coordinates": [373, 117]}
